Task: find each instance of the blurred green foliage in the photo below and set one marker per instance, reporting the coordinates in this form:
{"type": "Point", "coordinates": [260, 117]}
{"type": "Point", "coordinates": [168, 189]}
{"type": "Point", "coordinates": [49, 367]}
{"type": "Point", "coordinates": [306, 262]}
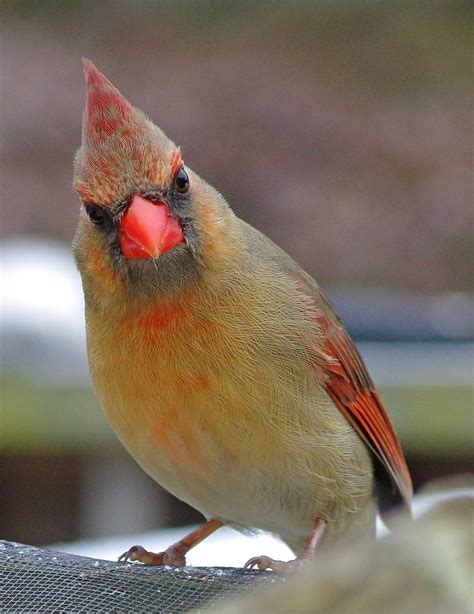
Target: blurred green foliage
{"type": "Point", "coordinates": [431, 421]}
{"type": "Point", "coordinates": [38, 417]}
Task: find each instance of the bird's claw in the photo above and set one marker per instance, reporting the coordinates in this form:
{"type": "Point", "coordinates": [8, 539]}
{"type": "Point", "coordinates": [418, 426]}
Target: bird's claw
{"type": "Point", "coordinates": [138, 553]}
{"type": "Point", "coordinates": [265, 562]}
{"type": "Point", "coordinates": [262, 562]}
{"type": "Point", "coordinates": [171, 556]}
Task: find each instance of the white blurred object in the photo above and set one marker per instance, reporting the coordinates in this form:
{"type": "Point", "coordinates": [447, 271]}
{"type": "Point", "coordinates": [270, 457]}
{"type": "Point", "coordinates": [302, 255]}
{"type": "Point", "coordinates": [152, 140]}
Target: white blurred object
{"type": "Point", "coordinates": [42, 311]}
{"type": "Point", "coordinates": [402, 363]}
{"type": "Point", "coordinates": [226, 547]}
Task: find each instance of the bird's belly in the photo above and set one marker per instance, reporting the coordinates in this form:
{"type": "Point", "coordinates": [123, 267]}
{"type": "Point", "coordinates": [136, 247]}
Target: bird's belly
{"type": "Point", "coordinates": [243, 470]}
{"type": "Point", "coordinates": [252, 441]}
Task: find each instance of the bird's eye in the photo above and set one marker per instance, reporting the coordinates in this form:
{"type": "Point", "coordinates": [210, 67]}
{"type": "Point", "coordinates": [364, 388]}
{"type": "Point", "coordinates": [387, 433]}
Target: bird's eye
{"type": "Point", "coordinates": [96, 215]}
{"type": "Point", "coordinates": [181, 181]}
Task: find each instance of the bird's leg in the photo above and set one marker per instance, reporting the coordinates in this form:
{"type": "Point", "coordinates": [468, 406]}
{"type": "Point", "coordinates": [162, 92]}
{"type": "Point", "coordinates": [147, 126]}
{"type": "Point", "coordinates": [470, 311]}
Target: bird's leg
{"type": "Point", "coordinates": [265, 562]}
{"type": "Point", "coordinates": [175, 554]}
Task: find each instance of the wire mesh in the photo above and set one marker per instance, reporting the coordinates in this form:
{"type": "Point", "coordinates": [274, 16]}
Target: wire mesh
{"type": "Point", "coordinates": [38, 580]}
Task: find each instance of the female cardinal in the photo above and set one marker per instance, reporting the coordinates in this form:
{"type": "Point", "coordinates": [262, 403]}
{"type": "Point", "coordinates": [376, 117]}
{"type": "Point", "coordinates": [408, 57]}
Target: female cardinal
{"type": "Point", "coordinates": [219, 362]}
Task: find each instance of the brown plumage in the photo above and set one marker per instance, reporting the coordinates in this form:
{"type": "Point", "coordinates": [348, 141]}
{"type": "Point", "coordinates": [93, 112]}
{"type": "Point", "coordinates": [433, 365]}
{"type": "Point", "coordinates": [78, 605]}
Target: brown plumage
{"type": "Point", "coordinates": [219, 362]}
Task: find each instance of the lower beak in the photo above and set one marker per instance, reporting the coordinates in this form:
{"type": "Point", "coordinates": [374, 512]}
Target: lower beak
{"type": "Point", "coordinates": [147, 229]}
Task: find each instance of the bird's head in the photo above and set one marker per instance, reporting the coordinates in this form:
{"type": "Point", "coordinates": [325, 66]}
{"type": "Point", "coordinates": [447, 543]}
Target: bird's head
{"type": "Point", "coordinates": [148, 224]}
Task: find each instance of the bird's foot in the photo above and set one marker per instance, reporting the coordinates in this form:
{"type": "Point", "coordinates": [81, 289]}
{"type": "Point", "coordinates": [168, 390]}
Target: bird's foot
{"type": "Point", "coordinates": [265, 562]}
{"type": "Point", "coordinates": [174, 555]}
{"type": "Point", "coordinates": [307, 555]}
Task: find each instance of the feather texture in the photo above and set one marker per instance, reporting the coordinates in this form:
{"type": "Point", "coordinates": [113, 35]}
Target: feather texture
{"type": "Point", "coordinates": [352, 390]}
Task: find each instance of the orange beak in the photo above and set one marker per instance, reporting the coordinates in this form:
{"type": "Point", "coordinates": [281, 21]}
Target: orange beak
{"type": "Point", "coordinates": [147, 229]}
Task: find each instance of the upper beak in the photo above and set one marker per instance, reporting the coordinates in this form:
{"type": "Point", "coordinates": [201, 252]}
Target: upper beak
{"type": "Point", "coordinates": [147, 229]}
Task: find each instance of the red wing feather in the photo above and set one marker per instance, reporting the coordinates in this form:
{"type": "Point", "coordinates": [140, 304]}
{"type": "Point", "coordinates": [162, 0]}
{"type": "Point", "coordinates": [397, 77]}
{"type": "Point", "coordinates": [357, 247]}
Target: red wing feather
{"type": "Point", "coordinates": [350, 387]}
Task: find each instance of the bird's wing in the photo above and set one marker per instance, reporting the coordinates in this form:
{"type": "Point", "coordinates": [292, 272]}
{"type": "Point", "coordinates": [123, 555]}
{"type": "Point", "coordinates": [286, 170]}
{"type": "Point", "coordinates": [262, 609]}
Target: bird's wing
{"type": "Point", "coordinates": [352, 390]}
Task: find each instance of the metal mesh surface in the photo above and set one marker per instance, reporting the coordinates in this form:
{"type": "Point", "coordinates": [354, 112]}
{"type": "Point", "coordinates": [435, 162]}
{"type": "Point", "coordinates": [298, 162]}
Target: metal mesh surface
{"type": "Point", "coordinates": [38, 580]}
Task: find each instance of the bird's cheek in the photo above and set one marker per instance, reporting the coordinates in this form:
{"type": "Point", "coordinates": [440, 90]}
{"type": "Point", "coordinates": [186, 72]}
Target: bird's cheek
{"type": "Point", "coordinates": [147, 229]}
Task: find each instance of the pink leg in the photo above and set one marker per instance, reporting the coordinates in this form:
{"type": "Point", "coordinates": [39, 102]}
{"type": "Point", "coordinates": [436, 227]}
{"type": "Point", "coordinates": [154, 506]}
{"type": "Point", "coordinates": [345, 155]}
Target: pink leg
{"type": "Point", "coordinates": [175, 554]}
{"type": "Point", "coordinates": [265, 562]}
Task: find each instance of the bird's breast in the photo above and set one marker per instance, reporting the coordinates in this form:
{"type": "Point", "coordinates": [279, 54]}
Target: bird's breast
{"type": "Point", "coordinates": [162, 377]}
{"type": "Point", "coordinates": [224, 418]}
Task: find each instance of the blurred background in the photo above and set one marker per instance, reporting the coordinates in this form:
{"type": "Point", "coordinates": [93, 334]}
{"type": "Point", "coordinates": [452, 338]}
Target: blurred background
{"type": "Point", "coordinates": [340, 129]}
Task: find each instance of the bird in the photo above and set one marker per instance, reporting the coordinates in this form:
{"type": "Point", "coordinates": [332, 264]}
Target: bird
{"type": "Point", "coordinates": [219, 362]}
